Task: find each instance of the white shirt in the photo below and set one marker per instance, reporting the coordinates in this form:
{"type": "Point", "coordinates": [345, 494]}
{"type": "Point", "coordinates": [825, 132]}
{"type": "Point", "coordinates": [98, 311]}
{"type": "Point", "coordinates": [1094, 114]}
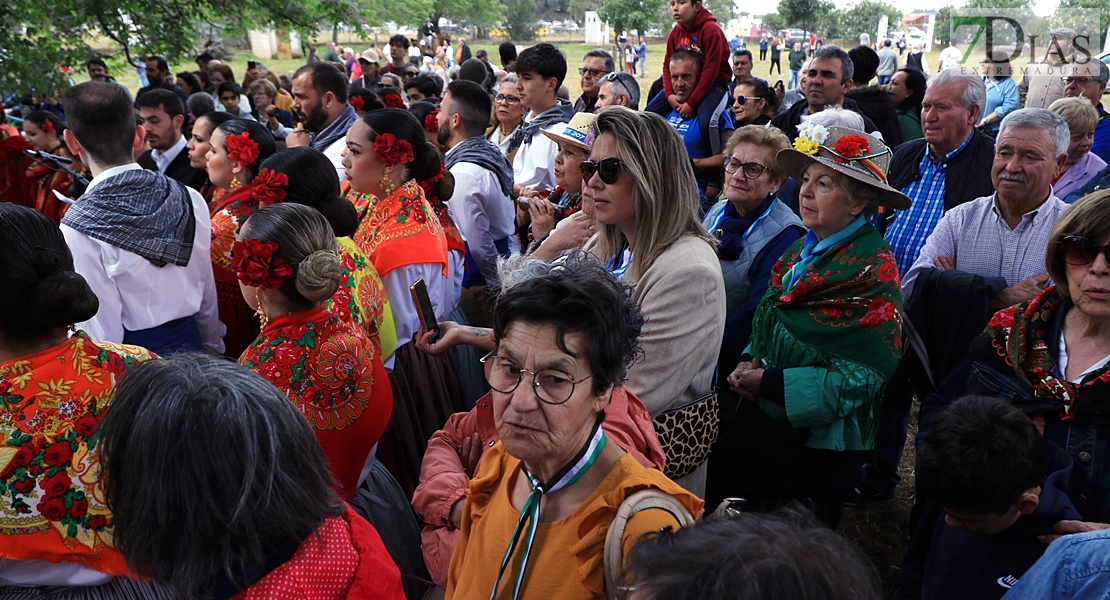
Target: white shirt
{"type": "Point", "coordinates": [135, 295]}
{"type": "Point", "coordinates": [483, 213]}
{"type": "Point", "coordinates": [405, 319]}
{"type": "Point", "coordinates": [32, 573]}
{"type": "Point", "coordinates": [534, 163]}
{"type": "Point", "coordinates": [502, 141]}
{"type": "Point", "coordinates": [334, 152]}
{"type": "Point", "coordinates": [163, 159]}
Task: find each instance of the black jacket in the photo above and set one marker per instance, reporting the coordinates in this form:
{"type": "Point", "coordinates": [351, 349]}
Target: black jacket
{"type": "Point", "coordinates": [951, 563]}
{"type": "Point", "coordinates": [967, 175]}
{"type": "Point", "coordinates": [179, 170]}
{"type": "Point", "coordinates": [875, 104]}
{"type": "Point", "coordinates": [788, 121]}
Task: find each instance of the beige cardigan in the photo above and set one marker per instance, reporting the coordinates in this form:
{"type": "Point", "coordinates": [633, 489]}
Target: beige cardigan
{"type": "Point", "coordinates": [682, 296]}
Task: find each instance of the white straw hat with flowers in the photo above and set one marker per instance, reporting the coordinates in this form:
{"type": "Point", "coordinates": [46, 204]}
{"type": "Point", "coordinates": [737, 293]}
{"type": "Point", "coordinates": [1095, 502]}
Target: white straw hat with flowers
{"type": "Point", "coordinates": [858, 155]}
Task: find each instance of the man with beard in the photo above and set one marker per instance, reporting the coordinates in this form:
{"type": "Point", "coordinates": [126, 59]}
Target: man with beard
{"type": "Point", "coordinates": [482, 206]}
{"type": "Point", "coordinates": [827, 78]}
{"type": "Point", "coordinates": [98, 71]}
{"type": "Point", "coordinates": [323, 115]}
{"type": "Point", "coordinates": [158, 74]}
{"type": "Point", "coordinates": [163, 116]}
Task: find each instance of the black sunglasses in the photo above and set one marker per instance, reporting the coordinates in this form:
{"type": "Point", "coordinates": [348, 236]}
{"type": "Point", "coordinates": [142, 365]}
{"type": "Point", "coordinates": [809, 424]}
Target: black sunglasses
{"type": "Point", "coordinates": [1081, 251]}
{"type": "Point", "coordinates": [608, 168]}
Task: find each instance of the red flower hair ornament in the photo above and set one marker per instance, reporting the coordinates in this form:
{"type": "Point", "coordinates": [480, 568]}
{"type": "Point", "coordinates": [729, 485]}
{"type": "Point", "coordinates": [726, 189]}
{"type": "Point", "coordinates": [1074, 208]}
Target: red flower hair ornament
{"type": "Point", "coordinates": [392, 151]}
{"type": "Point", "coordinates": [256, 266]}
{"type": "Point", "coordinates": [431, 121]}
{"type": "Point", "coordinates": [851, 146]}
{"type": "Point", "coordinates": [241, 148]}
{"type": "Point", "coordinates": [267, 186]}
{"type": "Point", "coordinates": [357, 102]}
{"type": "Point", "coordinates": [394, 101]}
{"type": "Point", "coordinates": [47, 127]}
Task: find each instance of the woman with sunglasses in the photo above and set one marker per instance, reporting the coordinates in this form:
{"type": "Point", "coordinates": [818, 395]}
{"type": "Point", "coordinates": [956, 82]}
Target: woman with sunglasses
{"type": "Point", "coordinates": [641, 184]}
{"type": "Point", "coordinates": [753, 228]}
{"type": "Point", "coordinates": [754, 103]}
{"type": "Point", "coordinates": [1051, 356]}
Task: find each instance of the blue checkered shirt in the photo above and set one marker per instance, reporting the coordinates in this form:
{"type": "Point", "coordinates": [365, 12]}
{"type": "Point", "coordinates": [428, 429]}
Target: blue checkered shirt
{"type": "Point", "coordinates": [907, 234]}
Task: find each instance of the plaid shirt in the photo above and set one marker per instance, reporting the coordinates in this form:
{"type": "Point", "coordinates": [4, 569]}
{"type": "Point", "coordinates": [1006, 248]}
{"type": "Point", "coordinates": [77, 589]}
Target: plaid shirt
{"type": "Point", "coordinates": [910, 229]}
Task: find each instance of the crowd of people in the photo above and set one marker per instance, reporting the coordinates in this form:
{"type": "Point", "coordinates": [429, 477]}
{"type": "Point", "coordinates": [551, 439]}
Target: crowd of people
{"type": "Point", "coordinates": [268, 339]}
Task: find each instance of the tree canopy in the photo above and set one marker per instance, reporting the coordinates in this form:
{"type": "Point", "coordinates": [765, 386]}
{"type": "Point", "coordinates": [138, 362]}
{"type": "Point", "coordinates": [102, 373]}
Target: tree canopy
{"type": "Point", "coordinates": [37, 37]}
{"type": "Point", "coordinates": [864, 16]}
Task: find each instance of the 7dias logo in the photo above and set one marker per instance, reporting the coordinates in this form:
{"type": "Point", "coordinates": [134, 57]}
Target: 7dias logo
{"type": "Point", "coordinates": [1068, 36]}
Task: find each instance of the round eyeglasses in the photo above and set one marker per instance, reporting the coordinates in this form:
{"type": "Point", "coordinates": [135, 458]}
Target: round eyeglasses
{"type": "Point", "coordinates": [551, 386]}
{"type": "Point", "coordinates": [752, 170]}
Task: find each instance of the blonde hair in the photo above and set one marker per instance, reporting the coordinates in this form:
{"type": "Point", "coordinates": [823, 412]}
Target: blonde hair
{"type": "Point", "coordinates": [1078, 113]}
{"type": "Point", "coordinates": [664, 193]}
{"type": "Point", "coordinates": [1089, 217]}
{"type": "Point", "coordinates": [771, 139]}
{"type": "Point", "coordinates": [266, 86]}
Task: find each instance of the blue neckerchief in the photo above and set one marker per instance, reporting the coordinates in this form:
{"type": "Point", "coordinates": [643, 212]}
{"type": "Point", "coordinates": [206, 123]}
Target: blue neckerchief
{"type": "Point", "coordinates": [735, 228]}
{"type": "Point", "coordinates": [812, 248]}
{"type": "Point", "coordinates": [530, 513]}
{"type": "Point", "coordinates": [617, 266]}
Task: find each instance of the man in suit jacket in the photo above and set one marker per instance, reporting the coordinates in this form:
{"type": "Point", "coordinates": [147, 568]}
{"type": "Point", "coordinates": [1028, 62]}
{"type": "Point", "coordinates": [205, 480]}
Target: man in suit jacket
{"type": "Point", "coordinates": [163, 116]}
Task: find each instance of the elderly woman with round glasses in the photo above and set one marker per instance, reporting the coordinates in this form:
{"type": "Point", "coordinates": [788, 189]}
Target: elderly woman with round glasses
{"type": "Point", "coordinates": [1051, 356]}
{"type": "Point", "coordinates": [827, 335]}
{"type": "Point", "coordinates": [540, 505]}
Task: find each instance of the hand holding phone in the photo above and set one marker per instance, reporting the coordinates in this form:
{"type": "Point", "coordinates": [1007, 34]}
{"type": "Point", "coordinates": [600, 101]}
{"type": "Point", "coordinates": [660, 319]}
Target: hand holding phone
{"type": "Point", "coordinates": [424, 310]}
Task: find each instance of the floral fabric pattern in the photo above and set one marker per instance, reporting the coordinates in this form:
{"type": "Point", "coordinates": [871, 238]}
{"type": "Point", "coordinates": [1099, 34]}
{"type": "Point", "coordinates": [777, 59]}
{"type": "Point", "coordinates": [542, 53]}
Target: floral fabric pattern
{"type": "Point", "coordinates": [399, 230]}
{"type": "Point", "coordinates": [334, 374]}
{"type": "Point", "coordinates": [361, 297]}
{"type": "Point", "coordinates": [228, 215]}
{"type": "Point", "coordinates": [51, 404]}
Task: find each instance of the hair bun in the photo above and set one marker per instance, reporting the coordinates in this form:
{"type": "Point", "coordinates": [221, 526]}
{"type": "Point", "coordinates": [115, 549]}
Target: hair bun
{"type": "Point", "coordinates": [341, 215]}
{"type": "Point", "coordinates": [61, 299]}
{"type": "Point", "coordinates": [318, 276]}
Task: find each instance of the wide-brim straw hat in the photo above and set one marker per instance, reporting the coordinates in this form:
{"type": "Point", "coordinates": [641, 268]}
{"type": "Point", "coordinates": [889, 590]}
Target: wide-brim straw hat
{"type": "Point", "coordinates": [866, 160]}
{"type": "Point", "coordinates": [577, 132]}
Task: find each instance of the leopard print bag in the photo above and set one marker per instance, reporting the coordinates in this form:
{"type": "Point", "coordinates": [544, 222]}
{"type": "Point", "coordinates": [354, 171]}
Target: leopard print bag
{"type": "Point", "coordinates": [687, 433]}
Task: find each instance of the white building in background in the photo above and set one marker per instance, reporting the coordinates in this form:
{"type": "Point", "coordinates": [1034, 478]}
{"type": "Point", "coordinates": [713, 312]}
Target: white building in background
{"type": "Point", "coordinates": [266, 45]}
{"type": "Point", "coordinates": [597, 31]}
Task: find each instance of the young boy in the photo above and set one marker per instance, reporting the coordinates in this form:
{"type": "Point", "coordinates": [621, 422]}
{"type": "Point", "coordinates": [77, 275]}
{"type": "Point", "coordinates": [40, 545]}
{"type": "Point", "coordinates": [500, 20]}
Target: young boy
{"type": "Point", "coordinates": [541, 70]}
{"type": "Point", "coordinates": [229, 98]}
{"type": "Point", "coordinates": [992, 486]}
{"type": "Point", "coordinates": [698, 32]}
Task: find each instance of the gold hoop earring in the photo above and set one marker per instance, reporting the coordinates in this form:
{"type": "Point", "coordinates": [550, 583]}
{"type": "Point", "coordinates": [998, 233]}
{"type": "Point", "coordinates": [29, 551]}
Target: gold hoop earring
{"type": "Point", "coordinates": [258, 312]}
{"type": "Point", "coordinates": [387, 184]}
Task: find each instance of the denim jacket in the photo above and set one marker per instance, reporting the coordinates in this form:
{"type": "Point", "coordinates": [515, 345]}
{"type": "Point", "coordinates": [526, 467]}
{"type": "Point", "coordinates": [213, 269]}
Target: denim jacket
{"type": "Point", "coordinates": [1075, 567]}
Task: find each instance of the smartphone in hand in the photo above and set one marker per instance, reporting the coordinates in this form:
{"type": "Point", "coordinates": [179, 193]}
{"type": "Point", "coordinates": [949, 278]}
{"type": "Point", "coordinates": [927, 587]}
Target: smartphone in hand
{"type": "Point", "coordinates": [424, 310]}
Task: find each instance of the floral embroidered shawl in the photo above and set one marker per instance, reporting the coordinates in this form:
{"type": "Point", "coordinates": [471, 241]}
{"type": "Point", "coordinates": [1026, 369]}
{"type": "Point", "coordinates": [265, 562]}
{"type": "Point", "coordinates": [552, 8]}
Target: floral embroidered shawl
{"type": "Point", "coordinates": [51, 403]}
{"type": "Point", "coordinates": [400, 230]}
{"type": "Point", "coordinates": [334, 375]}
{"type": "Point", "coordinates": [847, 302]}
{"type": "Point", "coordinates": [361, 297]}
{"type": "Point", "coordinates": [228, 215]}
{"type": "Point", "coordinates": [1022, 337]}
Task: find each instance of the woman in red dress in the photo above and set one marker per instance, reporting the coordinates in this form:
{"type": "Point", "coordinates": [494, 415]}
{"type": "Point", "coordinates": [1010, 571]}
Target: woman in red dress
{"type": "Point", "coordinates": [220, 491]}
{"type": "Point", "coordinates": [44, 130]}
{"type": "Point", "coordinates": [235, 154]}
{"type": "Point", "coordinates": [287, 264]}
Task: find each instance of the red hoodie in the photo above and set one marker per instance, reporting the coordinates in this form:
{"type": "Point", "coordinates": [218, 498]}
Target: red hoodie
{"type": "Point", "coordinates": [705, 37]}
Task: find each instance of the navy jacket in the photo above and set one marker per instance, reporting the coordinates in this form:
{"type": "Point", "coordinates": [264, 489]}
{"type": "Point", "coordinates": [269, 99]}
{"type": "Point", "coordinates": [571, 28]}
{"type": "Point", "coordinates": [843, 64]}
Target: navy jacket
{"type": "Point", "coordinates": [951, 563]}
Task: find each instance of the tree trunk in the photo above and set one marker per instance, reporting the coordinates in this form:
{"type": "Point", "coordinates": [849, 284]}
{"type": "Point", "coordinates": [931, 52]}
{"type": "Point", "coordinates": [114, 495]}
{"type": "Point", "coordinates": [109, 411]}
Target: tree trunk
{"type": "Point", "coordinates": [335, 33]}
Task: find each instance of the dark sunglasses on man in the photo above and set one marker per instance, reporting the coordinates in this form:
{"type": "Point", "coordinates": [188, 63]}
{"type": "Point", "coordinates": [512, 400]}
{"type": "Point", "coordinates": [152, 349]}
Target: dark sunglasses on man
{"type": "Point", "coordinates": [608, 168]}
{"type": "Point", "coordinates": [593, 72]}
